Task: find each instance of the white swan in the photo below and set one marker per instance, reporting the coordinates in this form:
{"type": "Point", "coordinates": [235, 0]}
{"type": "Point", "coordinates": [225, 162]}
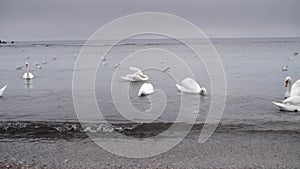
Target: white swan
{"type": "Point", "coordinates": [137, 76]}
{"type": "Point", "coordinates": [2, 90]}
{"type": "Point", "coordinates": [290, 104]}
{"type": "Point", "coordinates": [146, 89]}
{"type": "Point", "coordinates": [292, 90]}
{"type": "Point", "coordinates": [190, 86]}
{"type": "Point", "coordinates": [27, 75]}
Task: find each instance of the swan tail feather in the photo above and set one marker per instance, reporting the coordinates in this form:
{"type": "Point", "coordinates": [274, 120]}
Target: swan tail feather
{"type": "Point", "coordinates": [3, 88]}
{"type": "Point", "coordinates": [287, 107]}
{"type": "Point", "coordinates": [179, 87]}
{"type": "Point", "coordinates": [126, 78]}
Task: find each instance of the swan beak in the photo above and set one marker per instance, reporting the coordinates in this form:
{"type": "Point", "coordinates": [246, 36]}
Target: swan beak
{"type": "Point", "coordinates": [286, 83]}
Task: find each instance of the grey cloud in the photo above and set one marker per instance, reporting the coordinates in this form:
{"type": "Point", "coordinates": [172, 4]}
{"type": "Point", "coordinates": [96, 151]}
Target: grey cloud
{"type": "Point", "coordinates": [78, 19]}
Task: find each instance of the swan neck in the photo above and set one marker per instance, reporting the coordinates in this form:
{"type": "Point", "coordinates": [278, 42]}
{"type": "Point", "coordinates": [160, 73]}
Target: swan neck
{"type": "Point", "coordinates": [27, 69]}
{"type": "Point", "coordinates": [289, 87]}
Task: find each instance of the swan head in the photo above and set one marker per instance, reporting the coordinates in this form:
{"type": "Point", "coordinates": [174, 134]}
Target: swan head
{"type": "Point", "coordinates": [203, 91]}
{"type": "Point", "coordinates": [144, 77]}
{"type": "Point", "coordinates": [288, 80]}
{"type": "Point", "coordinates": [26, 64]}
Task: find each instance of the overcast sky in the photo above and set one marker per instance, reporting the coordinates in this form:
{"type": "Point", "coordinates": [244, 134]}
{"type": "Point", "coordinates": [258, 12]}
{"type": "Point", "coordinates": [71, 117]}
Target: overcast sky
{"type": "Point", "coordinates": [79, 19]}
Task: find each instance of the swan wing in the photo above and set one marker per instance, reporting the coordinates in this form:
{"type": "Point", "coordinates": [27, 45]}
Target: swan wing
{"type": "Point", "coordinates": [183, 89]}
{"type": "Point", "coordinates": [296, 89]}
{"type": "Point", "coordinates": [135, 77]}
{"type": "Point", "coordinates": [191, 85]}
{"type": "Point", "coordinates": [293, 100]}
{"type": "Point", "coordinates": [146, 88]}
{"type": "Point", "coordinates": [25, 76]}
{"type": "Point", "coordinates": [287, 107]}
{"type": "Point", "coordinates": [136, 70]}
{"type": "Point", "coordinates": [129, 77]}
{"type": "Point", "coordinates": [31, 76]}
{"type": "Point", "coordinates": [2, 90]}
{"type": "Point", "coordinates": [28, 76]}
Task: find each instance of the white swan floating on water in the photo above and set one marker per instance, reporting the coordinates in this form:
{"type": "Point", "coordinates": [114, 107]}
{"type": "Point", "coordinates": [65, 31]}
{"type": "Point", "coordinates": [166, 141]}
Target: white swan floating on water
{"type": "Point", "coordinates": [137, 76]}
{"type": "Point", "coordinates": [2, 90]}
{"type": "Point", "coordinates": [292, 96]}
{"type": "Point", "coordinates": [191, 86]}
{"type": "Point", "coordinates": [292, 90]}
{"type": "Point", "coordinates": [146, 89]}
{"type": "Point", "coordinates": [290, 104]}
{"type": "Point", "coordinates": [27, 75]}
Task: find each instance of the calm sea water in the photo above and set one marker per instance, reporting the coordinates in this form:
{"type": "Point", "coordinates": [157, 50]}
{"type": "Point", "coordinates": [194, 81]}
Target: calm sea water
{"type": "Point", "coordinates": [252, 68]}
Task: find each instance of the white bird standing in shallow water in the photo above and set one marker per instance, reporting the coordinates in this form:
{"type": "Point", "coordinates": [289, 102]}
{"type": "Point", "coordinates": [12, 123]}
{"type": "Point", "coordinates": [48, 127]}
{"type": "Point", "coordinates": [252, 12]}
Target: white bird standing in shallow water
{"type": "Point", "coordinates": [137, 76]}
{"type": "Point", "coordinates": [146, 89]}
{"type": "Point", "coordinates": [191, 86]}
{"type": "Point", "coordinates": [27, 75]}
{"type": "Point", "coordinates": [2, 90]}
{"type": "Point", "coordinates": [292, 90]}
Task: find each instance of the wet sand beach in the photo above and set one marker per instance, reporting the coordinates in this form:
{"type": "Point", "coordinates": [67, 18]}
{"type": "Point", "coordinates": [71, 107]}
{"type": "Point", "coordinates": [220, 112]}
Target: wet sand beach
{"type": "Point", "coordinates": [236, 149]}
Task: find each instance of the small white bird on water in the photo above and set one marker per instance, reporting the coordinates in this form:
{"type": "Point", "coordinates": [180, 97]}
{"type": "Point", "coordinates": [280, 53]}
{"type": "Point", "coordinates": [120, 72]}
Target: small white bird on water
{"type": "Point", "coordinates": [146, 89]}
{"type": "Point", "coordinates": [39, 66]}
{"type": "Point", "coordinates": [137, 76]}
{"type": "Point", "coordinates": [2, 90]}
{"type": "Point", "coordinates": [27, 75]}
{"type": "Point", "coordinates": [285, 68]}
{"type": "Point", "coordinates": [191, 86]}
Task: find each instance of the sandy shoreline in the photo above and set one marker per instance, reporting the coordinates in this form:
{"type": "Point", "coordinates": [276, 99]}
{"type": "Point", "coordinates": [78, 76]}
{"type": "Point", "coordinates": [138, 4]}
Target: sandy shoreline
{"type": "Point", "coordinates": [223, 150]}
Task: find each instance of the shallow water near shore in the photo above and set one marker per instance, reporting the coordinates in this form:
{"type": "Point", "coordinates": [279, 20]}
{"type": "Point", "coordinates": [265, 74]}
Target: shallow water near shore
{"type": "Point", "coordinates": [252, 68]}
{"type": "Point", "coordinates": [41, 111]}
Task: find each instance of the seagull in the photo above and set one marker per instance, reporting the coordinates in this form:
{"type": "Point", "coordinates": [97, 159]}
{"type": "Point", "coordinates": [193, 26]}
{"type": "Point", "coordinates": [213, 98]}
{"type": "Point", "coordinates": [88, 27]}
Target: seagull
{"type": "Point", "coordinates": [285, 68]}
{"type": "Point", "coordinates": [137, 76]}
{"type": "Point", "coordinates": [19, 67]}
{"type": "Point", "coordinates": [166, 69]}
{"type": "Point", "coordinates": [2, 90]}
{"type": "Point", "coordinates": [39, 66]}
